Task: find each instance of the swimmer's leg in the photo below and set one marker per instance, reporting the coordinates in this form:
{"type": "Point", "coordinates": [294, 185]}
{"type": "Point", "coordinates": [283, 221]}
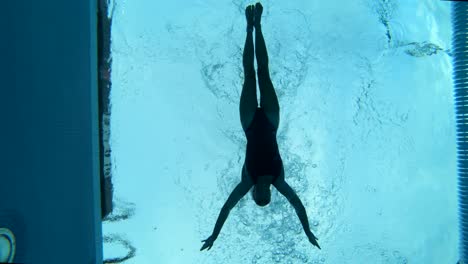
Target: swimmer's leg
{"type": "Point", "coordinates": [268, 98]}
{"type": "Point", "coordinates": [248, 100]}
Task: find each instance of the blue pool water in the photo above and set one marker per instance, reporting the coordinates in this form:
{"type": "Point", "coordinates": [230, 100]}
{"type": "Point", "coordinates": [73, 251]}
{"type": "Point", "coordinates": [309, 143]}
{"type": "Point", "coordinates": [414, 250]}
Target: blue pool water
{"type": "Point", "coordinates": [367, 132]}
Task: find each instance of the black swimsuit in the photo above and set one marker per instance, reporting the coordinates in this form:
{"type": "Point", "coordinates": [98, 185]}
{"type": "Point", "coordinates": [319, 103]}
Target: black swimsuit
{"type": "Point", "coordinates": [262, 156]}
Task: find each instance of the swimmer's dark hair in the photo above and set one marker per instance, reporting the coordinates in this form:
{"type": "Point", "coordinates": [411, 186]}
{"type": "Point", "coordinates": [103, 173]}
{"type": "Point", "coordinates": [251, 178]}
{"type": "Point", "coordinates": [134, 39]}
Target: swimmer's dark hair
{"type": "Point", "coordinates": [261, 194]}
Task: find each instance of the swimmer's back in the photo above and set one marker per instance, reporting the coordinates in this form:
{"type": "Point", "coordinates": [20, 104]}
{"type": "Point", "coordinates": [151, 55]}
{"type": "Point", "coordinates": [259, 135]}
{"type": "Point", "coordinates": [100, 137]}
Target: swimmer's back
{"type": "Point", "coordinates": [262, 155]}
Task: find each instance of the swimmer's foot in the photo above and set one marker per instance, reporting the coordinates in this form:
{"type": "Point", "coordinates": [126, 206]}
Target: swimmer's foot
{"type": "Point", "coordinates": [258, 14]}
{"type": "Point", "coordinates": [249, 15]}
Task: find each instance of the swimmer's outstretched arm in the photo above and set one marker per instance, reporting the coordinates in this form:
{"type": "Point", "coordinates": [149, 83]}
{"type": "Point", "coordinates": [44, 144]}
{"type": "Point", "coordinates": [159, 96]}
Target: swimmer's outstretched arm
{"type": "Point", "coordinates": [241, 189]}
{"type": "Point", "coordinates": [283, 187]}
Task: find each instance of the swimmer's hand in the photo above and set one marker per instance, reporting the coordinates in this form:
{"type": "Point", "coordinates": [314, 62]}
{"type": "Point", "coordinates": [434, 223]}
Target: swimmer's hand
{"type": "Point", "coordinates": [208, 243]}
{"type": "Point", "coordinates": [313, 239]}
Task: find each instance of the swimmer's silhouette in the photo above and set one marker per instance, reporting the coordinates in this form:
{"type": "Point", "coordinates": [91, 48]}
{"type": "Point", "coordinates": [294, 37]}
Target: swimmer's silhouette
{"type": "Point", "coordinates": [263, 165]}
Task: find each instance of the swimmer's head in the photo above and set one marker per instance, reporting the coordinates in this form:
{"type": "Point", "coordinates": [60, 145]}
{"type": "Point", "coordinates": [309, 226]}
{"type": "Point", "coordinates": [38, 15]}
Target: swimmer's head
{"type": "Point", "coordinates": [261, 190]}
